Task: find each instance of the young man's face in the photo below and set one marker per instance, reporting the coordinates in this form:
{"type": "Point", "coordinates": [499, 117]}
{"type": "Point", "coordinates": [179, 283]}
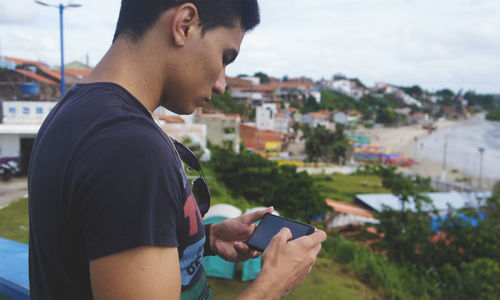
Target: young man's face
{"type": "Point", "coordinates": [201, 71]}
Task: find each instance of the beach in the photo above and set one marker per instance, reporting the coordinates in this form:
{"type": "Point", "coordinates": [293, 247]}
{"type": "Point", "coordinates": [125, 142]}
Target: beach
{"type": "Point", "coordinates": [462, 138]}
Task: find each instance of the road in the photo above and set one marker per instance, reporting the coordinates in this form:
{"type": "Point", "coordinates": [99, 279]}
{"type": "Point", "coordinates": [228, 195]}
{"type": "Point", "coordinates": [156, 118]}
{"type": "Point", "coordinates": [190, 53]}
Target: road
{"type": "Point", "coordinates": [12, 190]}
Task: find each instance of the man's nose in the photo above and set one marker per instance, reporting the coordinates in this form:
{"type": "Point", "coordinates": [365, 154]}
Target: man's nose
{"type": "Point", "coordinates": [220, 85]}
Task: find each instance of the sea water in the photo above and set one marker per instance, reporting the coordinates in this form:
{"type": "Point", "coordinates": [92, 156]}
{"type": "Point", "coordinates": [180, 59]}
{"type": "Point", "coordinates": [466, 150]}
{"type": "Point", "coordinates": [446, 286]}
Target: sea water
{"type": "Point", "coordinates": [462, 148]}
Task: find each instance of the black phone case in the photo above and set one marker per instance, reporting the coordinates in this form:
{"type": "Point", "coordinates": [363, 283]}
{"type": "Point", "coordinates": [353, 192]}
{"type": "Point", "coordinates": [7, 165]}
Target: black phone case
{"type": "Point", "coordinates": [270, 225]}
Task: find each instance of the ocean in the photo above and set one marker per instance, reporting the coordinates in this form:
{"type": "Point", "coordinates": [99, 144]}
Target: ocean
{"type": "Point", "coordinates": [463, 143]}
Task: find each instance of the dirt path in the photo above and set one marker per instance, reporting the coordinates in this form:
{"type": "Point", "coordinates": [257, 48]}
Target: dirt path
{"type": "Point", "coordinates": [12, 190]}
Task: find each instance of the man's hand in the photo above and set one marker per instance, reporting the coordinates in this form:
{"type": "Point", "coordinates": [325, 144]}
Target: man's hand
{"type": "Point", "coordinates": [228, 237]}
{"type": "Point", "coordinates": [285, 264]}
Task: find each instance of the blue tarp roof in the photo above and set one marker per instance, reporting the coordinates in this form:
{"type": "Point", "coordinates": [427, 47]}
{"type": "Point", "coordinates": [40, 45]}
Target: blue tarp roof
{"type": "Point", "coordinates": [14, 274]}
{"type": "Point", "coordinates": [440, 200]}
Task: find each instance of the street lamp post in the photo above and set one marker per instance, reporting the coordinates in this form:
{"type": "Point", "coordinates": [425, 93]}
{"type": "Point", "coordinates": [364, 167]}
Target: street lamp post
{"type": "Point", "coordinates": [61, 9]}
{"type": "Point", "coordinates": [443, 172]}
{"type": "Point", "coordinates": [415, 139]}
{"type": "Point", "coordinates": [481, 153]}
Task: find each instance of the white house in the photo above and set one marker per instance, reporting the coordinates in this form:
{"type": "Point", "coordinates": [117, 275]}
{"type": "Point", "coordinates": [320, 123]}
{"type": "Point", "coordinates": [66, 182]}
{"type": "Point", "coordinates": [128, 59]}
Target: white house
{"type": "Point", "coordinates": [340, 117]}
{"type": "Point", "coordinates": [316, 119]}
{"type": "Point", "coordinates": [265, 116]}
{"type": "Point", "coordinates": [21, 121]}
{"type": "Point", "coordinates": [348, 87]}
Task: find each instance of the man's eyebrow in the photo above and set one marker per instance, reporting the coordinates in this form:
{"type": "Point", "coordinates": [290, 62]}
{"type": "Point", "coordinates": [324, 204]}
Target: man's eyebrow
{"type": "Point", "coordinates": [231, 55]}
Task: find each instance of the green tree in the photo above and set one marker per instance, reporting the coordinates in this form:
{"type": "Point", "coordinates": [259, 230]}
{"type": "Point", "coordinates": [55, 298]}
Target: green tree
{"type": "Point", "coordinates": [263, 182]}
{"type": "Point", "coordinates": [494, 115]}
{"type": "Point", "coordinates": [262, 77]}
{"type": "Point", "coordinates": [386, 116]}
{"type": "Point", "coordinates": [327, 146]}
{"type": "Point", "coordinates": [228, 105]}
{"type": "Point", "coordinates": [406, 231]}
{"type": "Point", "coordinates": [311, 105]}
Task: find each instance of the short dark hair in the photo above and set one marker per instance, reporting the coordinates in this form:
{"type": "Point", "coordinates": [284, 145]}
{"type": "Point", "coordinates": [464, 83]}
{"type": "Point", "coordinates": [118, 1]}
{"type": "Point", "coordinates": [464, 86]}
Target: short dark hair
{"type": "Point", "coordinates": [137, 16]}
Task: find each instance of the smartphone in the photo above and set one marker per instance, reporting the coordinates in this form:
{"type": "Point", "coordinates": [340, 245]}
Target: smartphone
{"type": "Point", "coordinates": [270, 225]}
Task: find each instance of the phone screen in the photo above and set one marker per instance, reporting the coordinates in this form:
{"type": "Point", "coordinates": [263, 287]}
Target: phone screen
{"type": "Point", "coordinates": [270, 225]}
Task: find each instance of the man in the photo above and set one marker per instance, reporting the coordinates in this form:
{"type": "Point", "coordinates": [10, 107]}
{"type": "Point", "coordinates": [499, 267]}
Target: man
{"type": "Point", "coordinates": [112, 215]}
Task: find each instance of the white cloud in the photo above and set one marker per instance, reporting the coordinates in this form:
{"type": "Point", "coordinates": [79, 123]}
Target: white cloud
{"type": "Point", "coordinates": [17, 11]}
{"type": "Point", "coordinates": [433, 43]}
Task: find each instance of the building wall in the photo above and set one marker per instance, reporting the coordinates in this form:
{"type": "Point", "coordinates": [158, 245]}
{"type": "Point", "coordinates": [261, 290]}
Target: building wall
{"type": "Point", "coordinates": [265, 115]}
{"type": "Point", "coordinates": [9, 145]}
{"type": "Point", "coordinates": [25, 112]}
{"type": "Point", "coordinates": [221, 128]}
{"type": "Point", "coordinates": [196, 132]}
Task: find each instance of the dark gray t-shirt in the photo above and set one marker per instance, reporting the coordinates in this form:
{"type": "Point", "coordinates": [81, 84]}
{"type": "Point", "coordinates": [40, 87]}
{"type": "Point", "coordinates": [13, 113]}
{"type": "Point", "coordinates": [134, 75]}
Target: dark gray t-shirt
{"type": "Point", "coordinates": [104, 178]}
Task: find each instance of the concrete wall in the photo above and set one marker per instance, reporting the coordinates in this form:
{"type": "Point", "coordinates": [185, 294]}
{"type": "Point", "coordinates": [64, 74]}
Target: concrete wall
{"type": "Point", "coordinates": [10, 145]}
{"type": "Point", "coordinates": [221, 128]}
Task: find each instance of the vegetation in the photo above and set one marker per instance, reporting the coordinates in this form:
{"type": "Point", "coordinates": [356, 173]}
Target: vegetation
{"type": "Point", "coordinates": [228, 105]}
{"type": "Point", "coordinates": [461, 258]}
{"type": "Point", "coordinates": [486, 102]}
{"type": "Point", "coordinates": [494, 115]}
{"type": "Point", "coordinates": [392, 280]}
{"type": "Point", "coordinates": [344, 187]}
{"type": "Point", "coordinates": [262, 77]}
{"type": "Point", "coordinates": [264, 183]}
{"type": "Point", "coordinates": [327, 280]}
{"type": "Point", "coordinates": [14, 221]}
{"type": "Point", "coordinates": [326, 146]}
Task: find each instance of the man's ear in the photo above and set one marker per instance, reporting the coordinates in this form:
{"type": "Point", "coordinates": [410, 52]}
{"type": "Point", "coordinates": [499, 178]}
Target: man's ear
{"type": "Point", "coordinates": [184, 22]}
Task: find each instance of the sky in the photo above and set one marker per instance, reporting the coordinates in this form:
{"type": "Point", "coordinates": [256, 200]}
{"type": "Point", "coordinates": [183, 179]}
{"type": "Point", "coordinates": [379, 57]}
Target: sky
{"type": "Point", "coordinates": [432, 43]}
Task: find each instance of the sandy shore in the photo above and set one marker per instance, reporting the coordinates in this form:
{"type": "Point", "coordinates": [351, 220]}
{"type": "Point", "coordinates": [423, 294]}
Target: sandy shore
{"type": "Point", "coordinates": [405, 140]}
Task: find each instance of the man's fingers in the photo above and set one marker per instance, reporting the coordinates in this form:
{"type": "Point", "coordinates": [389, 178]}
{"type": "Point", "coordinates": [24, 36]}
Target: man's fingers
{"type": "Point", "coordinates": [283, 236]}
{"type": "Point", "coordinates": [244, 252]}
{"type": "Point", "coordinates": [318, 236]}
{"type": "Point", "coordinates": [255, 216]}
{"type": "Point", "coordinates": [313, 239]}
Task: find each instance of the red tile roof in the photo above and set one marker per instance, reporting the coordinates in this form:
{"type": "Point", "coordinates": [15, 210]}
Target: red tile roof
{"type": "Point", "coordinates": [238, 82]}
{"type": "Point", "coordinates": [256, 139]}
{"type": "Point", "coordinates": [294, 84]}
{"type": "Point", "coordinates": [19, 61]}
{"type": "Point", "coordinates": [52, 73]}
{"type": "Point", "coordinates": [35, 76]}
{"type": "Point", "coordinates": [77, 72]}
{"type": "Point", "coordinates": [318, 115]}
{"type": "Point", "coordinates": [348, 208]}
{"type": "Point", "coordinates": [170, 119]}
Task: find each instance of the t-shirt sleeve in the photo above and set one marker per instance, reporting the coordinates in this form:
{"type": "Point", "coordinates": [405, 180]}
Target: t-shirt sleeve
{"type": "Point", "coordinates": [126, 188]}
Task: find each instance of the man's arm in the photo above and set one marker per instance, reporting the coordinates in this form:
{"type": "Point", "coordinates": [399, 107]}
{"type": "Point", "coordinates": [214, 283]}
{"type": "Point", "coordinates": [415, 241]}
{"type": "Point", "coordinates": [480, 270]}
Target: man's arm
{"type": "Point", "coordinates": [140, 273]}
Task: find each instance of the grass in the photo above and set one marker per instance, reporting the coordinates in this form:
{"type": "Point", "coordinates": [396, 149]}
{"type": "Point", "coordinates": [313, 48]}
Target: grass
{"type": "Point", "coordinates": [326, 281]}
{"type": "Point", "coordinates": [344, 187]}
{"type": "Point", "coordinates": [14, 221]}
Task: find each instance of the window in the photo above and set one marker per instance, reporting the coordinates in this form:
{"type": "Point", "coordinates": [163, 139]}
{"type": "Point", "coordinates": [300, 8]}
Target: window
{"type": "Point", "coordinates": [26, 110]}
{"type": "Point", "coordinates": [39, 110]}
{"type": "Point", "coordinates": [12, 110]}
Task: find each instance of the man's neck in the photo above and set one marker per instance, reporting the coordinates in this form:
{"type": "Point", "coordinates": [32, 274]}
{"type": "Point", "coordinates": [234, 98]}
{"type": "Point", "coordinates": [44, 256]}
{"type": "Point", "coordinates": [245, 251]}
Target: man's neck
{"type": "Point", "coordinates": [134, 69]}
